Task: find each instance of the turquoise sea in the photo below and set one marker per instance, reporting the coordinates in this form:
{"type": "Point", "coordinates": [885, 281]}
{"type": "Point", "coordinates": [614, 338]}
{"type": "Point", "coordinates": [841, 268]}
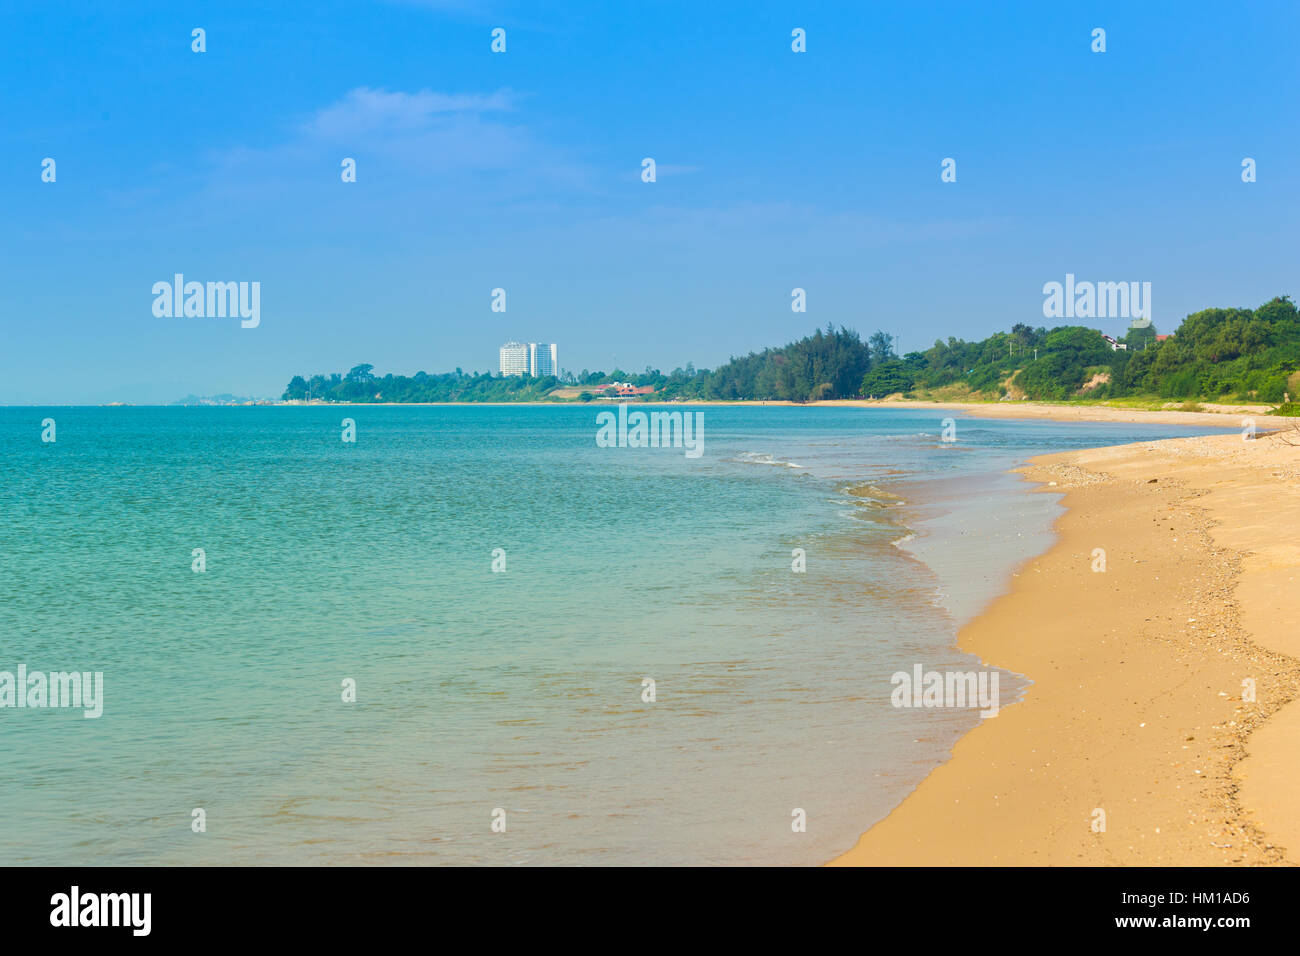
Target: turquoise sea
{"type": "Point", "coordinates": [476, 690]}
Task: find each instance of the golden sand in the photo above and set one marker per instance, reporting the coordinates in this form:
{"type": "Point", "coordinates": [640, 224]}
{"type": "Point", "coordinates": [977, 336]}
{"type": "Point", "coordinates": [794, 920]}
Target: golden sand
{"type": "Point", "coordinates": [1136, 707]}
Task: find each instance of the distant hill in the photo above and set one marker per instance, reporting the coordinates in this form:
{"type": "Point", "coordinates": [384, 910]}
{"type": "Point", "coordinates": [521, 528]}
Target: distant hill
{"type": "Point", "coordinates": [1215, 354]}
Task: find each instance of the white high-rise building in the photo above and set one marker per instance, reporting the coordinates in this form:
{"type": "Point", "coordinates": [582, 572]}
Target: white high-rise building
{"type": "Point", "coordinates": [543, 359]}
{"type": "Point", "coordinates": [536, 359]}
{"type": "Point", "coordinates": [514, 358]}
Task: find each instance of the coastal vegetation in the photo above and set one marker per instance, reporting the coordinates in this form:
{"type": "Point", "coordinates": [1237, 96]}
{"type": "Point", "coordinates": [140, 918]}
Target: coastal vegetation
{"type": "Point", "coordinates": [1248, 355]}
{"type": "Point", "coordinates": [361, 384]}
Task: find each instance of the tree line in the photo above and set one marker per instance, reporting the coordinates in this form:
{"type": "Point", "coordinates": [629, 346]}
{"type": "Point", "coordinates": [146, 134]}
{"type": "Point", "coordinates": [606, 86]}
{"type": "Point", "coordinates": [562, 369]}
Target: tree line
{"type": "Point", "coordinates": [1244, 354]}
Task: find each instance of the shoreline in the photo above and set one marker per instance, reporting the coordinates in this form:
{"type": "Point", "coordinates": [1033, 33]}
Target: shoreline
{"type": "Point", "coordinates": [1135, 703]}
{"type": "Point", "coordinates": [1218, 416]}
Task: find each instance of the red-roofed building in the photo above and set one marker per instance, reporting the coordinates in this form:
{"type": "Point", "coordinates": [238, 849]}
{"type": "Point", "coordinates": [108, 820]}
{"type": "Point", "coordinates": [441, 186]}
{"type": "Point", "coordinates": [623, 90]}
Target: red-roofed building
{"type": "Point", "coordinates": [623, 390]}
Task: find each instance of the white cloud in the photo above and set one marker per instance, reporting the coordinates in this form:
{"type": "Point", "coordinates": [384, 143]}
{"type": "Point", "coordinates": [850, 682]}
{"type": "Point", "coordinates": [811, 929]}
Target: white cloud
{"type": "Point", "coordinates": [418, 154]}
{"type": "Point", "coordinates": [368, 112]}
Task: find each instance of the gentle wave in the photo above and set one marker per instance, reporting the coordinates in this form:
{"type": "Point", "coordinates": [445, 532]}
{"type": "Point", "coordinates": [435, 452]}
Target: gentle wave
{"type": "Point", "coordinates": [762, 458]}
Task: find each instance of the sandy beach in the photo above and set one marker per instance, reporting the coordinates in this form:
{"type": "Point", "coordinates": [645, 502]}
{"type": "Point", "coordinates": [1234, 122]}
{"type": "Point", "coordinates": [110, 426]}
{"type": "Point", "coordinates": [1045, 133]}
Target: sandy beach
{"type": "Point", "coordinates": [1213, 415]}
{"type": "Point", "coordinates": [1136, 710]}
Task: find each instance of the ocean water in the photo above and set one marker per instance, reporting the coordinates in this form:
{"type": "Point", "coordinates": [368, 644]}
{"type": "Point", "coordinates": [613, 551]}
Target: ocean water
{"type": "Point", "coordinates": [479, 691]}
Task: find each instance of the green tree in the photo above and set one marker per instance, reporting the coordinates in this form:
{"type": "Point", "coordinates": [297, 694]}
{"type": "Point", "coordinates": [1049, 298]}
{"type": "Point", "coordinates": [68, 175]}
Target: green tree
{"type": "Point", "coordinates": [881, 345]}
{"type": "Point", "coordinates": [361, 375]}
{"type": "Point", "coordinates": [887, 378]}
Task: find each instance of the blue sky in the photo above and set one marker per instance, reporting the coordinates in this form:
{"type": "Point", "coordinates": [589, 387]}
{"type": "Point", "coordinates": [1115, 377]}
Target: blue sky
{"type": "Point", "coordinates": [522, 170]}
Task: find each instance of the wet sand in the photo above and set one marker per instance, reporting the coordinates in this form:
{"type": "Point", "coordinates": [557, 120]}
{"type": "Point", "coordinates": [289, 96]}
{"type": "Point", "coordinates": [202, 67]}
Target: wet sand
{"type": "Point", "coordinates": [1136, 717]}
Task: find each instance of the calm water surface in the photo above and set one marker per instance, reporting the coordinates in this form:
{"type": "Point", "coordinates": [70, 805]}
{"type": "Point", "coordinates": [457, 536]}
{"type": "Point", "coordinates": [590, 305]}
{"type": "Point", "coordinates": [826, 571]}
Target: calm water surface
{"type": "Point", "coordinates": [477, 690]}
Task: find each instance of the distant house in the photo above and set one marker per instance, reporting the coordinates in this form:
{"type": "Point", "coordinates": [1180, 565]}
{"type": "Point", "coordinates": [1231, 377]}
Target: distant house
{"type": "Point", "coordinates": [1115, 346]}
{"type": "Point", "coordinates": [622, 390]}
{"type": "Point", "coordinates": [1161, 338]}
{"type": "Point", "coordinates": [633, 391]}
